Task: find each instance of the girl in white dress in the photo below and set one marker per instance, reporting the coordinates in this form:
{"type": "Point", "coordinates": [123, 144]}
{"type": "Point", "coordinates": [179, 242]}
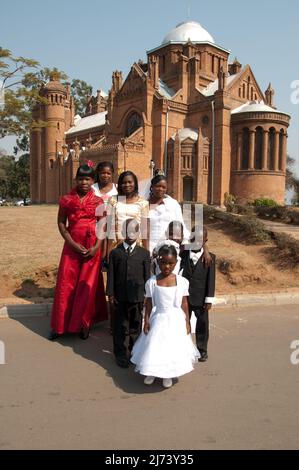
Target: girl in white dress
{"type": "Point", "coordinates": [165, 348]}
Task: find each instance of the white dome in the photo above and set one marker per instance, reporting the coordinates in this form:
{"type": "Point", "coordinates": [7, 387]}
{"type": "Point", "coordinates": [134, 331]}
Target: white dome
{"type": "Point", "coordinates": [189, 30]}
{"type": "Point", "coordinates": [186, 133]}
{"type": "Point", "coordinates": [255, 107]}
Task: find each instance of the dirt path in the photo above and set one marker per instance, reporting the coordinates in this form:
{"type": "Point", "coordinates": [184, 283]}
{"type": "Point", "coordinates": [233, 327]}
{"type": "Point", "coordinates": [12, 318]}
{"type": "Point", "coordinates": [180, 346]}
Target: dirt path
{"type": "Point", "coordinates": [292, 230]}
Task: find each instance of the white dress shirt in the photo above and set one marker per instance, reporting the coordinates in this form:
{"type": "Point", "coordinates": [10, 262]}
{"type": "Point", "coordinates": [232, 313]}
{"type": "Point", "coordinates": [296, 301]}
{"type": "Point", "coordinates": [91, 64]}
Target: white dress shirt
{"type": "Point", "coordinates": [131, 247]}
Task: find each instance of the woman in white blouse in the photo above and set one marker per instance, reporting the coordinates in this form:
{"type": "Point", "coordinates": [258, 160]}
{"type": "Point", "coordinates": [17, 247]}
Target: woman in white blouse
{"type": "Point", "coordinates": [164, 210]}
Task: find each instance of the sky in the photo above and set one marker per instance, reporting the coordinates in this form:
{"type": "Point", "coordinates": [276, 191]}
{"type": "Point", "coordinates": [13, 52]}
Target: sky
{"type": "Point", "coordinates": [91, 39]}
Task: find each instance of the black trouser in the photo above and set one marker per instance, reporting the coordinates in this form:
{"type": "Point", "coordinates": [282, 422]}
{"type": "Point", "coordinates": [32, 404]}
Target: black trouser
{"type": "Point", "coordinates": [202, 327]}
{"type": "Point", "coordinates": [127, 326]}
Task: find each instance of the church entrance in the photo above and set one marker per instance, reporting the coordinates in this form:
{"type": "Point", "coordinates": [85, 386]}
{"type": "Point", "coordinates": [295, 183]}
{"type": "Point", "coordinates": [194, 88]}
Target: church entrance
{"type": "Point", "coordinates": [188, 188]}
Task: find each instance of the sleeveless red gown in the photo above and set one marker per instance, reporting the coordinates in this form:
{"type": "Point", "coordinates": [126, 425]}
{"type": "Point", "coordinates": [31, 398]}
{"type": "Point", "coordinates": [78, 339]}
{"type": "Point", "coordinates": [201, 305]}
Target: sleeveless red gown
{"type": "Point", "coordinates": [79, 295]}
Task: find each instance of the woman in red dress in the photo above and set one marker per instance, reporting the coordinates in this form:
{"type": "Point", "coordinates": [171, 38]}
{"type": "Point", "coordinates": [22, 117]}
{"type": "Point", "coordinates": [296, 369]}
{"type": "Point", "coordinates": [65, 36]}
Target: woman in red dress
{"type": "Point", "coordinates": [79, 300]}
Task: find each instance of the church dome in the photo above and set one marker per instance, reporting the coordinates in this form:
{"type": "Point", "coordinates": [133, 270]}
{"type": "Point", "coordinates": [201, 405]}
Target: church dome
{"type": "Point", "coordinates": [54, 86]}
{"type": "Point", "coordinates": [191, 30]}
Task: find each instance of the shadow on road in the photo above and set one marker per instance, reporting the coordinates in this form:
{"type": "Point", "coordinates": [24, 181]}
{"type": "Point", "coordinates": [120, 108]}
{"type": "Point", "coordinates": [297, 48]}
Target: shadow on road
{"type": "Point", "coordinates": [98, 348]}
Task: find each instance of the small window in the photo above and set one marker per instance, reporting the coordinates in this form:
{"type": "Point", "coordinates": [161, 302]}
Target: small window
{"type": "Point", "coordinates": [205, 120]}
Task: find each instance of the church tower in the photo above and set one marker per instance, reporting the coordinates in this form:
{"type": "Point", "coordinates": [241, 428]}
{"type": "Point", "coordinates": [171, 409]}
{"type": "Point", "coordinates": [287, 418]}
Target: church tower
{"type": "Point", "coordinates": [47, 142]}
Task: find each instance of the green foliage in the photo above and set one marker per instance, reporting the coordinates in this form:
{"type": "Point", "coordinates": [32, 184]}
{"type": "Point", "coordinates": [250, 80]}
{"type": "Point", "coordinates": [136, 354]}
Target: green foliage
{"type": "Point", "coordinates": [19, 178]}
{"type": "Point", "coordinates": [229, 202]}
{"type": "Point", "coordinates": [14, 176]}
{"type": "Point", "coordinates": [21, 80]}
{"type": "Point", "coordinates": [265, 203]}
{"type": "Point", "coordinates": [251, 229]}
{"type": "Point", "coordinates": [81, 92]}
{"type": "Point", "coordinates": [292, 180]}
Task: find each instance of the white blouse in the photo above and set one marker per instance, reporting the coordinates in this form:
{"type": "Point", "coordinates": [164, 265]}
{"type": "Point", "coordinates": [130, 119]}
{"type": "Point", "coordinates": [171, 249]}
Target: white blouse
{"type": "Point", "coordinates": [103, 195]}
{"type": "Point", "coordinates": [160, 217]}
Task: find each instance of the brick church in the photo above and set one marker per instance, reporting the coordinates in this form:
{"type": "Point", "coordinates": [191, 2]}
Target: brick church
{"type": "Point", "coordinates": [188, 110]}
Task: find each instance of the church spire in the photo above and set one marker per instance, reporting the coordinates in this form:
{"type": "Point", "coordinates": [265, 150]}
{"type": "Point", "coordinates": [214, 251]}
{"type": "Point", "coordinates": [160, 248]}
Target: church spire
{"type": "Point", "coordinates": [270, 95]}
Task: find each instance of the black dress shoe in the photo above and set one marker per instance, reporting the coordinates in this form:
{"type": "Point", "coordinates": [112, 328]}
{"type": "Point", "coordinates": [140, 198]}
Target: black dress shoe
{"type": "Point", "coordinates": [84, 333]}
{"type": "Point", "coordinates": [122, 362]}
{"type": "Point", "coordinates": [53, 336]}
{"type": "Point", "coordinates": [204, 356]}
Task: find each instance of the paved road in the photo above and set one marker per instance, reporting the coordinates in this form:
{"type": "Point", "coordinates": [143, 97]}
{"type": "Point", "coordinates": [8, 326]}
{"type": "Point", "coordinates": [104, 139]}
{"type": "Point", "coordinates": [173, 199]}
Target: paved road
{"type": "Point", "coordinates": [72, 395]}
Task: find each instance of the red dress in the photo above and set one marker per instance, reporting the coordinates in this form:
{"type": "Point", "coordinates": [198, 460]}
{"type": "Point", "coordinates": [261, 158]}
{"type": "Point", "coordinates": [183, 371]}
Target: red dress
{"type": "Point", "coordinates": [79, 296]}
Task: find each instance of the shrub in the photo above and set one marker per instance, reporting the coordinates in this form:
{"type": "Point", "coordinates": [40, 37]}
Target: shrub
{"type": "Point", "coordinates": [229, 202]}
{"type": "Point", "coordinates": [242, 209]}
{"type": "Point", "coordinates": [272, 212]}
{"type": "Point", "coordinates": [287, 244]}
{"type": "Point", "coordinates": [253, 230]}
{"type": "Point", "coordinates": [265, 203]}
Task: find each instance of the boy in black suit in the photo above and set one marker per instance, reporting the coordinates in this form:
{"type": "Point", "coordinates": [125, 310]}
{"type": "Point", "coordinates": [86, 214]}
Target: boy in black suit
{"type": "Point", "coordinates": [201, 289]}
{"type": "Point", "coordinates": [129, 269]}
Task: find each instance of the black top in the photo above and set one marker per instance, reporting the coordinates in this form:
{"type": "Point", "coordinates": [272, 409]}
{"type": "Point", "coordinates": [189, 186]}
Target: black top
{"type": "Point", "coordinates": [128, 273]}
{"type": "Point", "coordinates": [200, 277]}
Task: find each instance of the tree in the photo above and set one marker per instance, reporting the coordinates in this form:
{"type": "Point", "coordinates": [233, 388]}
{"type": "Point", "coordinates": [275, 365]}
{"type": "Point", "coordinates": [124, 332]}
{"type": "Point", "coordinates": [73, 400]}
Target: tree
{"type": "Point", "coordinates": [19, 178]}
{"type": "Point", "coordinates": [20, 82]}
{"type": "Point", "coordinates": [292, 181]}
{"type": "Point", "coordinates": [6, 164]}
{"type": "Point", "coordinates": [81, 92]}
{"type": "Point", "coordinates": [15, 172]}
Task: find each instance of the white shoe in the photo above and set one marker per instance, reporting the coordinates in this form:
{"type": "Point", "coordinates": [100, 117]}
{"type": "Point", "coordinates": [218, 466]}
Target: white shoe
{"type": "Point", "coordinates": [167, 383]}
{"type": "Point", "coordinates": [149, 380]}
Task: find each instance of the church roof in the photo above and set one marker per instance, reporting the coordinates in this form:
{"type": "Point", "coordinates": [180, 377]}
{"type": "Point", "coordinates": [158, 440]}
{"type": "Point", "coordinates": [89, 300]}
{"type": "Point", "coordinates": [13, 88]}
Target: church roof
{"type": "Point", "coordinates": [54, 85]}
{"type": "Point", "coordinates": [256, 107]}
{"type": "Point", "coordinates": [186, 133]}
{"type": "Point", "coordinates": [88, 122]}
{"type": "Point", "coordinates": [190, 30]}
{"type": "Point", "coordinates": [213, 87]}
{"type": "Point", "coordinates": [165, 91]}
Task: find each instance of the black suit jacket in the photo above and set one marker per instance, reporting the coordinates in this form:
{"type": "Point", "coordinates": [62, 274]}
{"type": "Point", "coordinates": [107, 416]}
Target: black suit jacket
{"type": "Point", "coordinates": [201, 279]}
{"type": "Point", "coordinates": [127, 274]}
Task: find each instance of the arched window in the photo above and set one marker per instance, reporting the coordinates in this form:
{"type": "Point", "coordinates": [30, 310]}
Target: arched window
{"type": "Point", "coordinates": [245, 149]}
{"type": "Point", "coordinates": [281, 156]}
{"type": "Point", "coordinates": [272, 133]}
{"type": "Point", "coordinates": [244, 90]}
{"type": "Point", "coordinates": [133, 123]}
{"type": "Point", "coordinates": [258, 153]}
{"type": "Point", "coordinates": [252, 94]}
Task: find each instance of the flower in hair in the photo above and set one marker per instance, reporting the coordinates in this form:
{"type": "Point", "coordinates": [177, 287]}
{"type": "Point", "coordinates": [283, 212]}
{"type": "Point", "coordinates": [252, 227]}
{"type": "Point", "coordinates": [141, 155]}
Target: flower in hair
{"type": "Point", "coordinates": [90, 163]}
